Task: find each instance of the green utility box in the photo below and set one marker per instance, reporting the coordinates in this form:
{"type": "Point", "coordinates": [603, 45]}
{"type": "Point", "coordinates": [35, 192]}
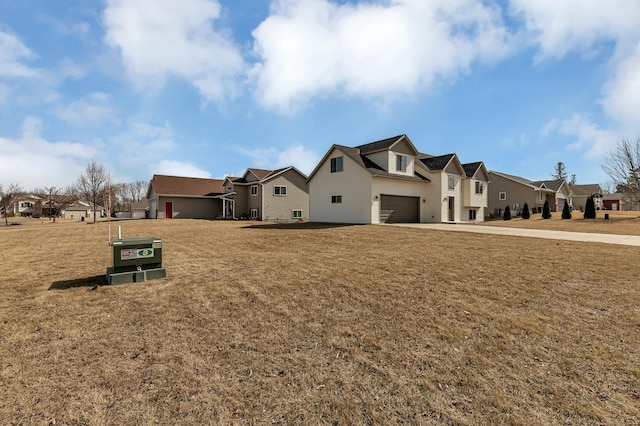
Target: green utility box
{"type": "Point", "coordinates": [136, 260]}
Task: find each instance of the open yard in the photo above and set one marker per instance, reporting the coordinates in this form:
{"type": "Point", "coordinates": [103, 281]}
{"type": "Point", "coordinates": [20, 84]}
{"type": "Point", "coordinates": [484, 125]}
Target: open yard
{"type": "Point", "coordinates": [310, 324]}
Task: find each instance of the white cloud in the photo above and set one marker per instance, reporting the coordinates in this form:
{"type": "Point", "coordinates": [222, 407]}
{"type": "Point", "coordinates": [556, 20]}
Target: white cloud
{"type": "Point", "coordinates": [379, 49]}
{"type": "Point", "coordinates": [559, 27]}
{"type": "Point", "coordinates": [589, 137]}
{"type": "Point", "coordinates": [174, 38]}
{"type": "Point", "coordinates": [13, 54]}
{"type": "Point", "coordinates": [179, 168]}
{"type": "Point", "coordinates": [622, 91]}
{"type": "Point", "coordinates": [32, 161]}
{"type": "Point", "coordinates": [91, 109]}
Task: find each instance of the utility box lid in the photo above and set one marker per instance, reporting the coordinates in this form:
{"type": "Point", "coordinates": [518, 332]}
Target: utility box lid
{"type": "Point", "coordinates": [131, 253]}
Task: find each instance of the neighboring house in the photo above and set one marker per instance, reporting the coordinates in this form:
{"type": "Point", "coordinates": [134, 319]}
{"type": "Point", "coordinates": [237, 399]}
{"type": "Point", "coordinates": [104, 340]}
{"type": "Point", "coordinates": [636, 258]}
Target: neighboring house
{"type": "Point", "coordinates": [82, 211]}
{"type": "Point", "coordinates": [391, 181]}
{"type": "Point", "coordinates": [137, 210]}
{"type": "Point", "coordinates": [26, 205]}
{"type": "Point", "coordinates": [582, 192]}
{"type": "Point", "coordinates": [186, 198]}
{"type": "Point", "coordinates": [272, 195]}
{"type": "Point", "coordinates": [613, 201]}
{"type": "Point", "coordinates": [515, 191]}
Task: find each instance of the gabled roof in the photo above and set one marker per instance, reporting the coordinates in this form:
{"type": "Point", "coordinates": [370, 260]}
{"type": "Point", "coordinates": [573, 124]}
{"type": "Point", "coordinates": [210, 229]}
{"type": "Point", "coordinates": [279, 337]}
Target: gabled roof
{"type": "Point", "coordinates": [186, 186]}
{"type": "Point", "coordinates": [369, 165]}
{"type": "Point", "coordinates": [550, 184]}
{"type": "Point", "coordinates": [380, 145]}
{"type": "Point", "coordinates": [436, 163]}
{"type": "Point", "coordinates": [471, 168]}
{"type": "Point", "coordinates": [523, 181]}
{"type": "Point", "coordinates": [262, 175]}
{"type": "Point", "coordinates": [586, 190]}
{"type": "Point", "coordinates": [258, 173]}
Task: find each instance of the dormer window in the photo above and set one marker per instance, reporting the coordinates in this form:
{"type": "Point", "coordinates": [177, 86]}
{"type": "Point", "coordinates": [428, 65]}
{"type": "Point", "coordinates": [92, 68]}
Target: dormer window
{"type": "Point", "coordinates": [401, 163]}
{"type": "Point", "coordinates": [452, 182]}
{"type": "Point", "coordinates": [479, 187]}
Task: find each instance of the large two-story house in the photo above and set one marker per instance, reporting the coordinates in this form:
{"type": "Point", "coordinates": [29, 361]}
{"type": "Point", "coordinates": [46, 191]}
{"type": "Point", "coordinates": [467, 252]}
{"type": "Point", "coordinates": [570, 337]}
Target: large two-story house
{"type": "Point", "coordinates": [390, 181]}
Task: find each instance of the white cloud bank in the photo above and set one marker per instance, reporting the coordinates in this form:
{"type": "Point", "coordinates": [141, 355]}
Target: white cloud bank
{"type": "Point", "coordinates": [378, 49]}
{"type": "Point", "coordinates": [561, 27]}
{"type": "Point", "coordinates": [32, 161]}
{"type": "Point", "coordinates": [174, 38]}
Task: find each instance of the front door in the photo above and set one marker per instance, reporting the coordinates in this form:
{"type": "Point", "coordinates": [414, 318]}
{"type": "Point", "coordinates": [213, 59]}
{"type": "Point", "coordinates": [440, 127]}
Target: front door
{"type": "Point", "coordinates": [452, 212]}
{"type": "Point", "coordinates": [168, 210]}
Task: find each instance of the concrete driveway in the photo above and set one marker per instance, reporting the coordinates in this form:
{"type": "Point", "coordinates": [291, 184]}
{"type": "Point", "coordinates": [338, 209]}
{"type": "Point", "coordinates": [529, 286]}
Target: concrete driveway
{"type": "Point", "coordinates": [629, 240]}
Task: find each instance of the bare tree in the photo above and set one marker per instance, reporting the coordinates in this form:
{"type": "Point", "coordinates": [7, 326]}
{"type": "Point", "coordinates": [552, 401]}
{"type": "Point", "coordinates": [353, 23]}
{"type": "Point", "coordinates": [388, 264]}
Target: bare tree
{"type": "Point", "coordinates": [92, 185]}
{"type": "Point", "coordinates": [56, 200]}
{"type": "Point", "coordinates": [622, 164]}
{"type": "Point", "coordinates": [137, 190]}
{"type": "Point", "coordinates": [7, 198]}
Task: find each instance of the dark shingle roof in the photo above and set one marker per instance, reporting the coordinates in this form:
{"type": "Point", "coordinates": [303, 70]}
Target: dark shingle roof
{"type": "Point", "coordinates": [372, 167]}
{"type": "Point", "coordinates": [588, 189]}
{"type": "Point", "coordinates": [187, 186]}
{"type": "Point", "coordinates": [378, 145]}
{"type": "Point", "coordinates": [550, 184]}
{"type": "Point", "coordinates": [470, 169]}
{"type": "Point", "coordinates": [436, 163]}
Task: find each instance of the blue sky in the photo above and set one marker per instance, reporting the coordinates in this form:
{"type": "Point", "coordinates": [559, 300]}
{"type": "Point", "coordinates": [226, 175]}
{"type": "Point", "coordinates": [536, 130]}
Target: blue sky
{"type": "Point", "coordinates": [208, 88]}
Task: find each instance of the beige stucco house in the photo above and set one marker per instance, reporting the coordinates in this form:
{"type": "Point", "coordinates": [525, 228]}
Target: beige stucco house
{"type": "Point", "coordinates": [515, 191]}
{"type": "Point", "coordinates": [391, 181]}
{"type": "Point", "coordinates": [272, 195]}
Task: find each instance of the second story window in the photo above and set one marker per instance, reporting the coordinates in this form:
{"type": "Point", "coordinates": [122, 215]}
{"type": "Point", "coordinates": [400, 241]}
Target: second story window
{"type": "Point", "coordinates": [336, 164]}
{"type": "Point", "coordinates": [336, 199]}
{"type": "Point", "coordinates": [280, 190]}
{"type": "Point", "coordinates": [479, 187]}
{"type": "Point", "coordinates": [254, 190]}
{"type": "Point", "coordinates": [502, 196]}
{"type": "Point", "coordinates": [401, 163]}
{"type": "Point", "coordinates": [452, 182]}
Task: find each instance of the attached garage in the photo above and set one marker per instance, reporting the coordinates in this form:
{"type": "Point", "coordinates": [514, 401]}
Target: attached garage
{"type": "Point", "coordinates": [399, 209]}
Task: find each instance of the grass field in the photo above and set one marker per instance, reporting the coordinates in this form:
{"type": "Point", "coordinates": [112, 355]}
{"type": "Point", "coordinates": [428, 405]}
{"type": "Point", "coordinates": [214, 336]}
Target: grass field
{"type": "Point", "coordinates": [311, 324]}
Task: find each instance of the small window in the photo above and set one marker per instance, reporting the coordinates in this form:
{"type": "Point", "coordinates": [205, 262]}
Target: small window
{"type": "Point", "coordinates": [452, 182]}
{"type": "Point", "coordinates": [401, 163]}
{"type": "Point", "coordinates": [296, 214]}
{"type": "Point", "coordinates": [336, 199]}
{"type": "Point", "coordinates": [479, 187]}
{"type": "Point", "coordinates": [540, 196]}
{"type": "Point", "coordinates": [473, 214]}
{"type": "Point", "coordinates": [280, 190]}
{"type": "Point", "coordinates": [253, 213]}
{"type": "Point", "coordinates": [336, 164]}
{"type": "Point", "coordinates": [502, 196]}
{"type": "Point", "coordinates": [254, 190]}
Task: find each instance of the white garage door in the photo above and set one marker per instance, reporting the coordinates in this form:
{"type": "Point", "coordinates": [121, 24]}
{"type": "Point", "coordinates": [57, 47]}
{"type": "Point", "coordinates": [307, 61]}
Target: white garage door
{"type": "Point", "coordinates": [397, 209]}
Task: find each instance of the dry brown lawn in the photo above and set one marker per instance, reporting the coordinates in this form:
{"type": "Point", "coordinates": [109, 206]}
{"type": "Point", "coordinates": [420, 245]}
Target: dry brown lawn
{"type": "Point", "coordinates": [310, 324]}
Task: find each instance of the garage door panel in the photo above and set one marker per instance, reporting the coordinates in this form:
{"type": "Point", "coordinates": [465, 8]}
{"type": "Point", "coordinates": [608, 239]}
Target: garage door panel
{"type": "Point", "coordinates": [399, 209]}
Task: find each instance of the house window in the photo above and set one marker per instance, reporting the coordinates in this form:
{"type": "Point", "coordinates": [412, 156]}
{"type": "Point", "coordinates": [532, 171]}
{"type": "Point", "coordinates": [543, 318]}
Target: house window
{"type": "Point", "coordinates": [336, 164]}
{"type": "Point", "coordinates": [296, 214]}
{"type": "Point", "coordinates": [401, 163]}
{"type": "Point", "coordinates": [539, 196]}
{"type": "Point", "coordinates": [254, 190]}
{"type": "Point", "coordinates": [473, 214]}
{"type": "Point", "coordinates": [502, 196]}
{"type": "Point", "coordinates": [479, 187]}
{"type": "Point", "coordinates": [336, 199]}
{"type": "Point", "coordinates": [452, 182]}
{"type": "Point", "coordinates": [253, 213]}
{"type": "Point", "coordinates": [280, 190]}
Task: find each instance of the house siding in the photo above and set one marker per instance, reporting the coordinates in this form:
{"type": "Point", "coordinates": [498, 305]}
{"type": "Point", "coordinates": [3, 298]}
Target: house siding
{"type": "Point", "coordinates": [388, 186]}
{"type": "Point", "coordinates": [280, 208]}
{"type": "Point", "coordinates": [517, 193]}
{"type": "Point", "coordinates": [191, 208]}
{"type": "Point", "coordinates": [353, 184]}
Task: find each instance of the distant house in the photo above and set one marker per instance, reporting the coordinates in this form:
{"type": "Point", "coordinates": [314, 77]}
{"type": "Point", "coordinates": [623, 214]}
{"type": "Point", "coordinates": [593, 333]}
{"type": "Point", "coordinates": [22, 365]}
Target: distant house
{"type": "Point", "coordinates": [515, 191]}
{"type": "Point", "coordinates": [613, 201]}
{"type": "Point", "coordinates": [582, 192]}
{"type": "Point", "coordinates": [26, 205]}
{"type": "Point", "coordinates": [136, 210]}
{"type": "Point", "coordinates": [280, 195]}
{"type": "Point", "coordinates": [391, 181]}
{"type": "Point", "coordinates": [186, 198]}
{"type": "Point", "coordinates": [82, 210]}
